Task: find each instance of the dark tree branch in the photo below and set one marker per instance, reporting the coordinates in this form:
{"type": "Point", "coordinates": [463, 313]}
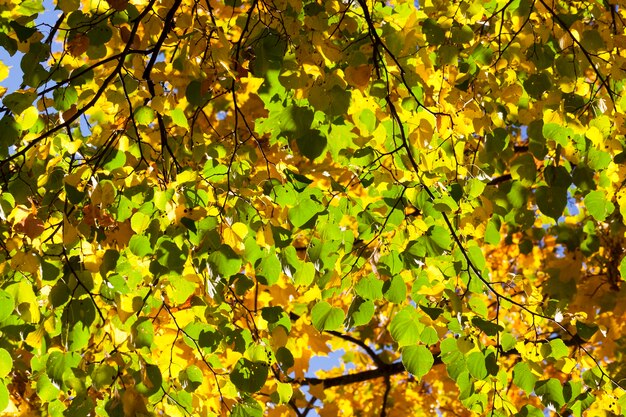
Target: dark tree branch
{"type": "Point", "coordinates": [384, 371]}
{"type": "Point", "coordinates": [395, 368]}
{"type": "Point", "coordinates": [500, 179]}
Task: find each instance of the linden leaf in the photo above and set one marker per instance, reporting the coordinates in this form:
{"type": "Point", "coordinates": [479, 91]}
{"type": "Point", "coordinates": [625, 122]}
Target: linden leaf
{"type": "Point", "coordinates": [4, 395]}
{"type": "Point", "coordinates": [405, 327]}
{"type": "Point", "coordinates": [523, 377]}
{"type": "Point", "coordinates": [551, 200]}
{"type": "Point", "coordinates": [6, 363]}
{"type": "Point", "coordinates": [326, 317]}
{"type": "Point", "coordinates": [6, 305]}
{"type": "Point", "coordinates": [28, 118]}
{"type": "Point", "coordinates": [143, 333]}
{"type": "Point", "coordinates": [4, 71]}
{"type": "Point", "coordinates": [598, 206]}
{"type": "Point", "coordinates": [249, 376]}
{"type": "Point", "coordinates": [144, 115]}
{"type": "Point", "coordinates": [304, 212]}
{"type": "Point", "coordinates": [179, 118]}
{"type": "Point", "coordinates": [417, 360]}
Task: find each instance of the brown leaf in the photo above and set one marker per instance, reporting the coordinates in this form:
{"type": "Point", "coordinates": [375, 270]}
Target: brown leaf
{"type": "Point", "coordinates": [31, 225]}
{"type": "Point", "coordinates": [78, 45]}
{"type": "Point", "coordinates": [119, 5]}
{"type": "Point", "coordinates": [359, 76]}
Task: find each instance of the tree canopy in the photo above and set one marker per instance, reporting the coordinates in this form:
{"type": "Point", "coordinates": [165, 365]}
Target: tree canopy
{"type": "Point", "coordinates": [200, 198]}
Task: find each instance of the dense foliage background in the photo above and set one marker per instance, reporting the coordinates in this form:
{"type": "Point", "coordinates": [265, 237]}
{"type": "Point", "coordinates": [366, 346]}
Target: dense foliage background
{"type": "Point", "coordinates": [199, 197]}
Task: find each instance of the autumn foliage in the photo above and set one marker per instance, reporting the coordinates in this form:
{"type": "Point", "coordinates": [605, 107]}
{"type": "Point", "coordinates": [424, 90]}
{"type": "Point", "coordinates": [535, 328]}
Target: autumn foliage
{"type": "Point", "coordinates": [201, 199]}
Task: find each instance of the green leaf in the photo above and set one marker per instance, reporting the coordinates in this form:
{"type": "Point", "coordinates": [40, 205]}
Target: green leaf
{"type": "Point", "coordinates": [64, 98]}
{"type": "Point", "coordinates": [249, 376]}
{"type": "Point", "coordinates": [6, 305]}
{"type": "Point", "coordinates": [360, 312]}
{"type": "Point", "coordinates": [169, 255]}
{"type": "Point", "coordinates": [78, 336]}
{"type": "Point", "coordinates": [6, 363]}
{"type": "Point", "coordinates": [405, 327]}
{"type": "Point", "coordinates": [585, 330]}
{"type": "Point", "coordinates": [140, 246]}
{"type": "Point", "coordinates": [103, 376]}
{"type": "Point", "coordinates": [417, 360]}
{"type": "Point", "coordinates": [149, 380]}
{"type": "Point", "coordinates": [598, 206]}
{"type": "Point", "coordinates": [429, 336]}
{"type": "Point", "coordinates": [248, 407]}
{"type": "Point", "coordinates": [304, 212]}
{"type": "Point", "coordinates": [180, 289]}
{"type": "Point", "coordinates": [194, 94]}
{"type": "Point", "coordinates": [592, 41]}
{"type": "Point", "coordinates": [492, 233]}
{"type": "Point", "coordinates": [19, 101]}
{"type": "Point", "coordinates": [143, 333]}
{"type": "Point", "coordinates": [4, 395]}
{"type": "Point", "coordinates": [22, 32]}
{"type": "Point", "coordinates": [190, 378]}
{"type": "Point", "coordinates": [558, 349]}
{"type": "Point", "coordinates": [551, 200]}
{"type": "Point", "coordinates": [179, 118]}
{"type": "Point", "coordinates": [305, 274]}
{"type": "Point", "coordinates": [523, 377]}
{"type": "Point", "coordinates": [490, 328]}
{"type": "Point", "coordinates": [284, 391]}
{"type": "Point", "coordinates": [537, 84]}
{"type": "Point", "coordinates": [462, 34]}
{"type": "Point", "coordinates": [25, 300]}
{"type": "Point", "coordinates": [433, 312]}
{"type": "Point", "coordinates": [269, 269]}
{"type": "Point", "coordinates": [557, 133]}
{"type": "Point", "coordinates": [100, 34]}
{"type": "Point", "coordinates": [440, 236]}
{"type": "Point", "coordinates": [434, 33]}
{"type": "Point", "coordinates": [524, 170]}
{"type": "Point", "coordinates": [482, 54]}
{"type": "Point", "coordinates": [46, 390]}
{"type": "Point", "coordinates": [326, 317]}
{"type": "Point", "coordinates": [395, 290]}
{"type": "Point", "coordinates": [225, 261]}
{"type": "Point", "coordinates": [507, 341]}
{"type": "Point", "coordinates": [550, 392]}
{"type": "Point", "coordinates": [598, 159]}
{"type": "Point", "coordinates": [530, 411]}
{"type": "Point", "coordinates": [116, 160]}
{"type": "Point", "coordinates": [476, 365]}
{"type": "Point", "coordinates": [369, 288]}
{"type": "Point", "coordinates": [144, 115]}
{"type": "Point", "coordinates": [284, 357]}
{"type": "Point", "coordinates": [58, 363]}
{"type": "Point", "coordinates": [557, 176]}
{"type": "Point", "coordinates": [476, 256]}
{"type": "Point", "coordinates": [139, 222]}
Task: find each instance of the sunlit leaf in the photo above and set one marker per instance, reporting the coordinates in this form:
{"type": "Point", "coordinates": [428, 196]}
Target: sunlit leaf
{"type": "Point", "coordinates": [326, 317]}
{"type": "Point", "coordinates": [417, 360]}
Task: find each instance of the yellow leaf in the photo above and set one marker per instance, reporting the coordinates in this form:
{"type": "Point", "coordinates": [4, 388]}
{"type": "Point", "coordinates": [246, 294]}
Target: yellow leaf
{"type": "Point", "coordinates": [28, 118]}
{"type": "Point", "coordinates": [104, 193]}
{"type": "Point", "coordinates": [4, 71]}
{"type": "Point", "coordinates": [234, 235]}
{"type": "Point", "coordinates": [594, 135]}
{"type": "Point", "coordinates": [317, 391]}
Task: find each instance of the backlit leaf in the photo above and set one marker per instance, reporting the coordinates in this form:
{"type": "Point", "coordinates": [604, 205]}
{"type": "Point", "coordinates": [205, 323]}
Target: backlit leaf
{"type": "Point", "coordinates": [326, 317]}
{"type": "Point", "coordinates": [417, 360]}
